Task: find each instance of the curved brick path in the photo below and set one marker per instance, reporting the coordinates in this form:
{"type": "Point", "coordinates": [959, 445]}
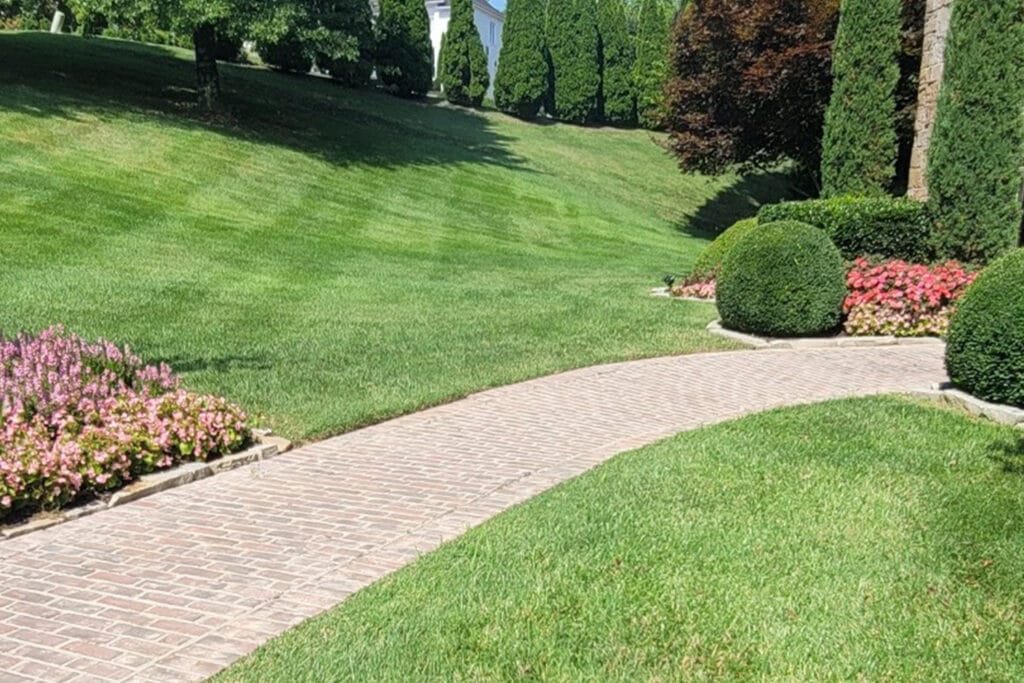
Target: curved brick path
{"type": "Point", "coordinates": [177, 586]}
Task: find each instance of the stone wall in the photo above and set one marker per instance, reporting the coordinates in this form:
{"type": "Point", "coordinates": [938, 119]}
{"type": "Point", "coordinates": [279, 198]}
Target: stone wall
{"type": "Point", "coordinates": [936, 28]}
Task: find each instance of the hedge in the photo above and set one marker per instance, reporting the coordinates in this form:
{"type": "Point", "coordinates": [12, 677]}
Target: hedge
{"type": "Point", "coordinates": [886, 227]}
{"type": "Point", "coordinates": [784, 279]}
{"type": "Point", "coordinates": [985, 347]}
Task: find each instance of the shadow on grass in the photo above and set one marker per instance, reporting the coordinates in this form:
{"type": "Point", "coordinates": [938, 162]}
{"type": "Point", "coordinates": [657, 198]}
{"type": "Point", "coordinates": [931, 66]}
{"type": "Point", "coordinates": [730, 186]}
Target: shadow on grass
{"type": "Point", "coordinates": [740, 200]}
{"type": "Point", "coordinates": [1010, 455]}
{"type": "Point", "coordinates": [71, 77]}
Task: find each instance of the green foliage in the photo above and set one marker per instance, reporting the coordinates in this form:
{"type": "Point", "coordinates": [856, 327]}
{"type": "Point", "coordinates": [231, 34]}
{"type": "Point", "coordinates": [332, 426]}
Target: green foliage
{"type": "Point", "coordinates": [463, 71]}
{"type": "Point", "coordinates": [893, 228]}
{"type": "Point", "coordinates": [784, 279]}
{"type": "Point", "coordinates": [650, 69]}
{"type": "Point", "coordinates": [348, 52]}
{"type": "Point", "coordinates": [288, 53]}
{"type": "Point", "coordinates": [405, 56]}
{"type": "Point", "coordinates": [974, 174]}
{"type": "Point", "coordinates": [710, 260]}
{"type": "Point", "coordinates": [985, 348]}
{"type": "Point", "coordinates": [859, 147]}
{"type": "Point", "coordinates": [572, 49]}
{"type": "Point", "coordinates": [617, 102]}
{"type": "Point", "coordinates": [522, 79]}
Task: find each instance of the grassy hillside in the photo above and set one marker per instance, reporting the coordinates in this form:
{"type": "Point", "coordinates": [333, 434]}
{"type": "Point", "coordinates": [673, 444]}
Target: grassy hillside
{"type": "Point", "coordinates": [328, 257]}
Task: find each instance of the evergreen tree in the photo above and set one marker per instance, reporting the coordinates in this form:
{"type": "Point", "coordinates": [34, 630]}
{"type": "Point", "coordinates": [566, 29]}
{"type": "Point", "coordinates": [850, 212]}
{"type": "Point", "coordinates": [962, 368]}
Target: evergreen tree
{"type": "Point", "coordinates": [974, 173]}
{"type": "Point", "coordinates": [405, 56]}
{"type": "Point", "coordinates": [650, 68]}
{"type": "Point", "coordinates": [860, 147]}
{"type": "Point", "coordinates": [350, 61]}
{"type": "Point", "coordinates": [617, 102]}
{"type": "Point", "coordinates": [521, 82]}
{"type": "Point", "coordinates": [573, 59]}
{"type": "Point", "coordinates": [463, 71]}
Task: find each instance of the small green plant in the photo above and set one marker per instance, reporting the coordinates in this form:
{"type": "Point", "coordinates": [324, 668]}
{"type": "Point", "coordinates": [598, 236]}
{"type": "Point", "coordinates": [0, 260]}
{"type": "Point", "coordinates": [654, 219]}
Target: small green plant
{"type": "Point", "coordinates": [985, 348]}
{"type": "Point", "coordinates": [784, 279]}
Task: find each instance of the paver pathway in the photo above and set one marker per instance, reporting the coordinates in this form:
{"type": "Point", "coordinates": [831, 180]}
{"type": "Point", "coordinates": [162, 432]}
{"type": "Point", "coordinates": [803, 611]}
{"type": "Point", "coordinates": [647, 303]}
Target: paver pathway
{"type": "Point", "coordinates": [179, 585]}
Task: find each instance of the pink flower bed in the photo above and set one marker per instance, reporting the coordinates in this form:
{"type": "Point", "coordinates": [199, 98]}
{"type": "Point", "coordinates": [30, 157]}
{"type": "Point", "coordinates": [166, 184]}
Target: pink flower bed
{"type": "Point", "coordinates": [699, 288]}
{"type": "Point", "coordinates": [903, 299]}
{"type": "Point", "coordinates": [81, 418]}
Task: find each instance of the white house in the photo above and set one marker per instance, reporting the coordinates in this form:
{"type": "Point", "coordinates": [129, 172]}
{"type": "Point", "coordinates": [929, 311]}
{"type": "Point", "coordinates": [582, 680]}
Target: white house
{"type": "Point", "coordinates": [489, 22]}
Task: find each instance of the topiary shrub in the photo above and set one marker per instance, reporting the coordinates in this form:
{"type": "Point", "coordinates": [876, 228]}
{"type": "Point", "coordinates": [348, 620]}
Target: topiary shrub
{"type": "Point", "coordinates": [710, 260]}
{"type": "Point", "coordinates": [985, 347]}
{"type": "Point", "coordinates": [882, 226]}
{"type": "Point", "coordinates": [784, 279]}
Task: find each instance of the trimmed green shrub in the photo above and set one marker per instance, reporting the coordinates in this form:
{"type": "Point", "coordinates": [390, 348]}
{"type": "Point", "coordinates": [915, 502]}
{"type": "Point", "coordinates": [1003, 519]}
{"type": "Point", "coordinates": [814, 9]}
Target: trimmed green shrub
{"type": "Point", "coordinates": [572, 54]}
{"type": "Point", "coordinates": [405, 56]}
{"type": "Point", "coordinates": [985, 347]}
{"type": "Point", "coordinates": [974, 162]}
{"type": "Point", "coordinates": [617, 102]}
{"type": "Point", "coordinates": [650, 68]}
{"type": "Point", "coordinates": [784, 279]}
{"type": "Point", "coordinates": [710, 260]}
{"type": "Point", "coordinates": [521, 82]}
{"type": "Point", "coordinates": [859, 147]}
{"type": "Point", "coordinates": [463, 72]}
{"type": "Point", "coordinates": [891, 228]}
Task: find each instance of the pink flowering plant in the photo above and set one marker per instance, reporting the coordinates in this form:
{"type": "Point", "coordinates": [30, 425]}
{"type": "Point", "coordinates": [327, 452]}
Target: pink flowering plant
{"type": "Point", "coordinates": [81, 418]}
{"type": "Point", "coordinates": [700, 287]}
{"type": "Point", "coordinates": [903, 299]}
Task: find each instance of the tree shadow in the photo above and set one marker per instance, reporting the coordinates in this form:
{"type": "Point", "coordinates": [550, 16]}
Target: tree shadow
{"type": "Point", "coordinates": [86, 79]}
{"type": "Point", "coordinates": [1009, 455]}
{"type": "Point", "coordinates": [740, 200]}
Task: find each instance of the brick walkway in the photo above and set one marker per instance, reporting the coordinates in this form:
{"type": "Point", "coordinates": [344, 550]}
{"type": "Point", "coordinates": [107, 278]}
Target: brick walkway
{"type": "Point", "coordinates": [179, 585]}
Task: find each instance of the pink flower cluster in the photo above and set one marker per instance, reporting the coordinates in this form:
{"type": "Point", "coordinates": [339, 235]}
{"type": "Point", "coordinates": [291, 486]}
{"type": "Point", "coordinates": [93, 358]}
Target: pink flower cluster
{"type": "Point", "coordinates": [80, 418]}
{"type": "Point", "coordinates": [903, 299]}
{"type": "Point", "coordinates": [696, 288]}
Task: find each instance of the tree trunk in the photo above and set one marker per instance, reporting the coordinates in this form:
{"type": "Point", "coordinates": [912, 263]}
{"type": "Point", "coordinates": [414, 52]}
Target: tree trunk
{"type": "Point", "coordinates": [207, 76]}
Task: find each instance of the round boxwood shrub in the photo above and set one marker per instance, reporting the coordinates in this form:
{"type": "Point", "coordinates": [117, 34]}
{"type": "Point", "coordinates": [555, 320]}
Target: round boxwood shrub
{"type": "Point", "coordinates": [784, 279]}
{"type": "Point", "coordinates": [985, 348]}
{"type": "Point", "coordinates": [710, 260]}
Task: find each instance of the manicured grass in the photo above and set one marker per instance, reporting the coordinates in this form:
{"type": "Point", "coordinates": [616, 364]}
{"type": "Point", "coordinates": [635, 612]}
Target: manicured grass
{"type": "Point", "coordinates": [327, 257]}
{"type": "Point", "coordinates": [874, 539]}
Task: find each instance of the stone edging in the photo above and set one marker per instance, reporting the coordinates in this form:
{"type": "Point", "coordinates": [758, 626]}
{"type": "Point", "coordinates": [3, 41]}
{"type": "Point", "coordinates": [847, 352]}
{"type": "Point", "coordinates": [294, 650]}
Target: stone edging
{"type": "Point", "coordinates": [267, 446]}
{"type": "Point", "coordinates": [945, 394]}
{"type": "Point", "coordinates": [819, 342]}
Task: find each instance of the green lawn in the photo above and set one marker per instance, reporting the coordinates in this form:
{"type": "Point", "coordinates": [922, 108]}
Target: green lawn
{"type": "Point", "coordinates": [329, 258]}
{"type": "Point", "coordinates": [874, 539]}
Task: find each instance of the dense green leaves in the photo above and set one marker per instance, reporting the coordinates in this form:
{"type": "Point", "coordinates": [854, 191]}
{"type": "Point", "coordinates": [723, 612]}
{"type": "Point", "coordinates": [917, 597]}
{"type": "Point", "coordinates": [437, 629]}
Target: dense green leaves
{"type": "Point", "coordinates": [974, 166]}
{"type": "Point", "coordinates": [573, 53]}
{"type": "Point", "coordinates": [617, 103]}
{"type": "Point", "coordinates": [463, 71]}
{"type": "Point", "coordinates": [985, 349]}
{"type": "Point", "coordinates": [405, 56]}
{"type": "Point", "coordinates": [893, 228]}
{"type": "Point", "coordinates": [651, 66]}
{"type": "Point", "coordinates": [710, 260]}
{"type": "Point", "coordinates": [521, 83]}
{"type": "Point", "coordinates": [783, 279]}
{"type": "Point", "coordinates": [859, 145]}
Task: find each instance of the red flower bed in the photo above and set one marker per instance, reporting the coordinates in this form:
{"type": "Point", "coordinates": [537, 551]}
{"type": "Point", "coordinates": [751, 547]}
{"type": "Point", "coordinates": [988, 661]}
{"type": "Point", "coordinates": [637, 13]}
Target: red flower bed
{"type": "Point", "coordinates": [903, 299]}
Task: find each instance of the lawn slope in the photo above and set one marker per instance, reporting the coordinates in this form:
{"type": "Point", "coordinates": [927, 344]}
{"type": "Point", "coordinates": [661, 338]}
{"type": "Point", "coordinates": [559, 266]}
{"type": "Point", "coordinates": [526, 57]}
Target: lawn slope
{"type": "Point", "coordinates": [872, 539]}
{"type": "Point", "coordinates": [325, 257]}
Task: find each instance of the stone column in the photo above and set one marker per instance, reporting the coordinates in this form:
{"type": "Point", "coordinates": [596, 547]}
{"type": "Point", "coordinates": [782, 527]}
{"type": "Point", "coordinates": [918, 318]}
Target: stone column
{"type": "Point", "coordinates": [936, 28]}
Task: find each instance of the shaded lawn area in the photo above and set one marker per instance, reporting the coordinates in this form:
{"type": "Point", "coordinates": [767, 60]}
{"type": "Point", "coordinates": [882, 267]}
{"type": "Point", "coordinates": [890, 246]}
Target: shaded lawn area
{"type": "Point", "coordinates": [329, 258]}
{"type": "Point", "coordinates": [872, 539]}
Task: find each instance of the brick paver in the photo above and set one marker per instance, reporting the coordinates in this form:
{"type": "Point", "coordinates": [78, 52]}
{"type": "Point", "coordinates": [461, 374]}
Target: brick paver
{"type": "Point", "coordinates": [179, 585]}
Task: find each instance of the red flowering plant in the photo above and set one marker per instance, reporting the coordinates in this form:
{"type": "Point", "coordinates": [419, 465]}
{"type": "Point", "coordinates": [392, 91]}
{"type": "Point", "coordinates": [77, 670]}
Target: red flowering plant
{"type": "Point", "coordinates": [701, 287]}
{"type": "Point", "coordinates": [903, 299]}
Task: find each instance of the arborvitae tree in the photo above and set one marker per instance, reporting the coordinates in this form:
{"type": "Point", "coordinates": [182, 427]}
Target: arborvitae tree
{"type": "Point", "coordinates": [349, 61]}
{"type": "Point", "coordinates": [617, 101]}
{"type": "Point", "coordinates": [650, 69]}
{"type": "Point", "coordinates": [572, 53]}
{"type": "Point", "coordinates": [463, 71]}
{"type": "Point", "coordinates": [405, 56]}
{"type": "Point", "coordinates": [521, 82]}
{"type": "Point", "coordinates": [974, 164]}
{"type": "Point", "coordinates": [859, 147]}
